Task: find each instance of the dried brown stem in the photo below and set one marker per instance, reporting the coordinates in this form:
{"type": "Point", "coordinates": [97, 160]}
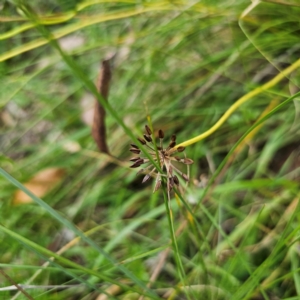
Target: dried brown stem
{"type": "Point", "coordinates": [16, 285]}
{"type": "Point", "coordinates": [99, 128]}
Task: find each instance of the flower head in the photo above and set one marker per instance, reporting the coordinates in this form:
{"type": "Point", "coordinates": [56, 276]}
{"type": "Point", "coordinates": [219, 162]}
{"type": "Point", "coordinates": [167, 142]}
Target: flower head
{"type": "Point", "coordinates": [163, 156]}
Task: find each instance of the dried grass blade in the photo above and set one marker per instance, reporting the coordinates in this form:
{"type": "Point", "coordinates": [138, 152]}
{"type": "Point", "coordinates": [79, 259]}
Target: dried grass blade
{"type": "Point", "coordinates": [8, 278]}
{"type": "Point", "coordinates": [99, 128]}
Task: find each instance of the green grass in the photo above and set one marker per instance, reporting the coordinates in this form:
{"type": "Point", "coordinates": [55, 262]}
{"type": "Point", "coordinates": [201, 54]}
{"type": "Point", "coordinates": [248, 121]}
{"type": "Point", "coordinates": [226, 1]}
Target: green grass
{"type": "Point", "coordinates": [183, 64]}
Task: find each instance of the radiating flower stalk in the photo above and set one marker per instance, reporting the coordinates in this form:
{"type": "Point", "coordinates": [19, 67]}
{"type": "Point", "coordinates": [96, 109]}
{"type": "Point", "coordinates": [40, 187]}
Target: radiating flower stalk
{"type": "Point", "coordinates": [164, 157]}
{"type": "Point", "coordinates": [162, 167]}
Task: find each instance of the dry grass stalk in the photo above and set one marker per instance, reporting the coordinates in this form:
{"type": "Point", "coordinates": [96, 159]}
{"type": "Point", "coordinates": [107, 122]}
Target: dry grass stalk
{"type": "Point", "coordinates": [99, 128]}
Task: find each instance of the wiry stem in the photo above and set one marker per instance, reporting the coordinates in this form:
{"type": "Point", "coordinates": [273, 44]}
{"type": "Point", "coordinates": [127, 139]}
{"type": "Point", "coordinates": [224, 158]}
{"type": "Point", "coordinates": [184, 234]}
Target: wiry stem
{"type": "Point", "coordinates": [283, 74]}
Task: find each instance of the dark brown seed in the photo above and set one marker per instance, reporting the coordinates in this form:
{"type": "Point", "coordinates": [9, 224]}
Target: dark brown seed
{"type": "Point", "coordinates": [172, 144]}
{"type": "Point", "coordinates": [176, 180]}
{"type": "Point", "coordinates": [159, 148]}
{"type": "Point", "coordinates": [147, 138]}
{"type": "Point", "coordinates": [134, 159]}
{"type": "Point", "coordinates": [161, 134]}
{"type": "Point", "coordinates": [146, 178]}
{"type": "Point", "coordinates": [177, 158]}
{"type": "Point", "coordinates": [148, 130]}
{"type": "Point", "coordinates": [180, 149]}
{"type": "Point", "coordinates": [142, 141]}
{"type": "Point", "coordinates": [185, 177]}
{"type": "Point", "coordinates": [136, 151]}
{"type": "Point", "coordinates": [173, 138]}
{"type": "Point", "coordinates": [136, 164]}
{"type": "Point", "coordinates": [141, 161]}
{"type": "Point", "coordinates": [187, 161]}
{"type": "Point", "coordinates": [134, 146]}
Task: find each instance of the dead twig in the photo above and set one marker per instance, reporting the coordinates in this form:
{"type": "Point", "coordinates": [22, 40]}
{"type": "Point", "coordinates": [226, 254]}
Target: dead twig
{"type": "Point", "coordinates": [99, 128]}
{"type": "Point", "coordinates": [16, 285]}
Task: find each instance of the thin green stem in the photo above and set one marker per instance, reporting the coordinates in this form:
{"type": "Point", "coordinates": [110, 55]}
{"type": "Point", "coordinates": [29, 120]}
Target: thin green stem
{"type": "Point", "coordinates": [173, 238]}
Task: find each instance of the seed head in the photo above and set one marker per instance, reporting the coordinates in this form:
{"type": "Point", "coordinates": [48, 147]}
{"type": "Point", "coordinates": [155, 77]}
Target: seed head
{"type": "Point", "coordinates": [148, 130]}
{"type": "Point", "coordinates": [164, 159]}
{"type": "Point", "coordinates": [176, 180]}
{"type": "Point", "coordinates": [148, 138]}
{"type": "Point", "coordinates": [134, 146]}
{"type": "Point", "coordinates": [172, 144]}
{"type": "Point", "coordinates": [136, 164]}
{"type": "Point", "coordinates": [142, 141]}
{"type": "Point", "coordinates": [161, 134]}
{"type": "Point", "coordinates": [146, 178]}
{"type": "Point", "coordinates": [134, 150]}
{"type": "Point", "coordinates": [134, 159]}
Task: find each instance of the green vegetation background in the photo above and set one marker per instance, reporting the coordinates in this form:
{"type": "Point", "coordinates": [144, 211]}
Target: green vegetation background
{"type": "Point", "coordinates": [183, 63]}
